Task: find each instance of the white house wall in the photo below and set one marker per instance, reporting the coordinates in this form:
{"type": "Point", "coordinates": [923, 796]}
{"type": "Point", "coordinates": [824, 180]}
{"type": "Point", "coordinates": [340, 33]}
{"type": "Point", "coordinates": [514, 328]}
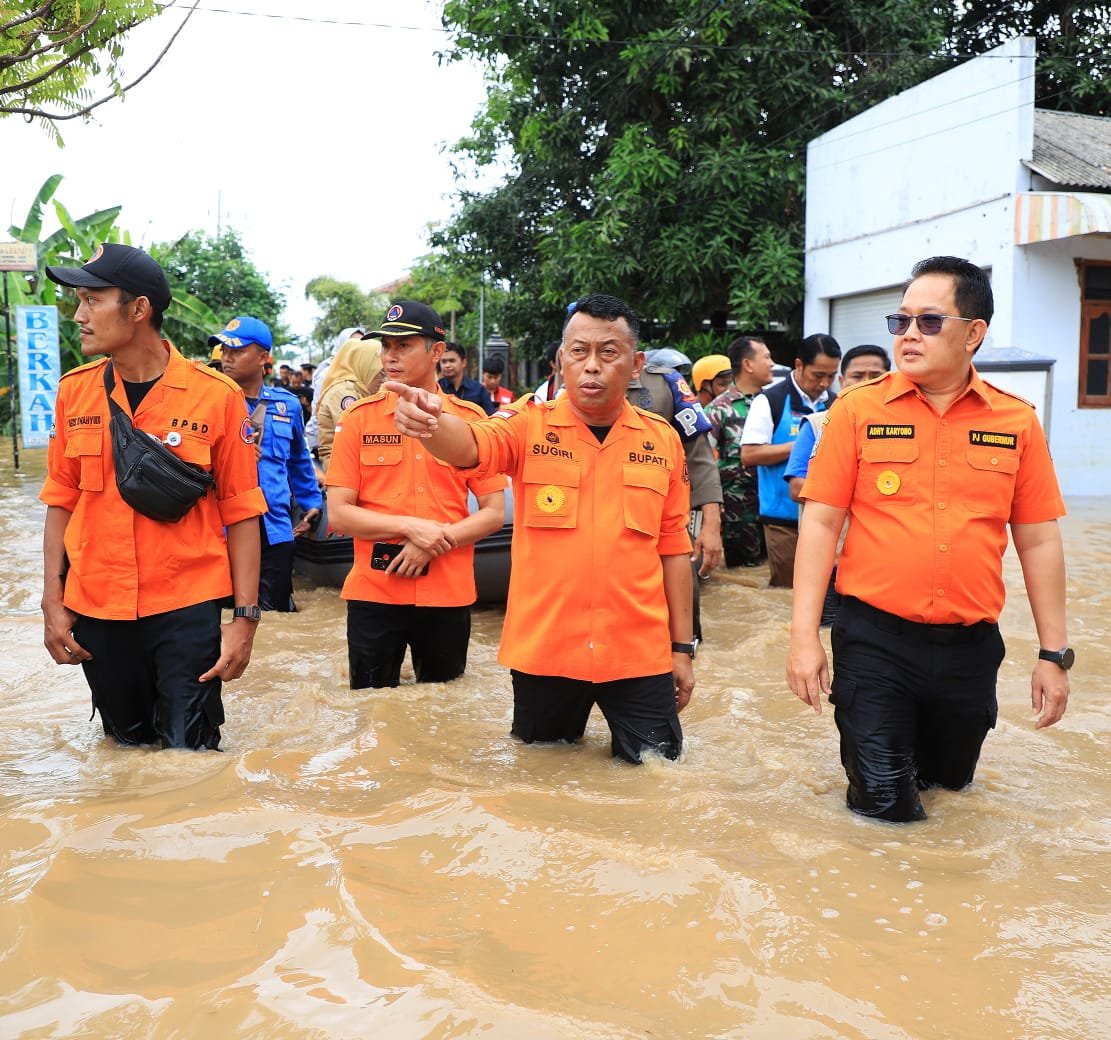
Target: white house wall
{"type": "Point", "coordinates": [934, 171]}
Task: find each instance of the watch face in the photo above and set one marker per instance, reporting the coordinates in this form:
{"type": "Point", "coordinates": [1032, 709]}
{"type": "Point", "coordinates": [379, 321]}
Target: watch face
{"type": "Point", "coordinates": [1067, 658]}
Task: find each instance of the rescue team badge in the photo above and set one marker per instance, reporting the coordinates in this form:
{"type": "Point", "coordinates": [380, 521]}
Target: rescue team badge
{"type": "Point", "coordinates": [281, 407]}
{"type": "Point", "coordinates": [994, 440]}
{"type": "Point", "coordinates": [551, 437]}
{"type": "Point", "coordinates": [888, 482]}
{"type": "Point", "coordinates": [550, 499]}
{"type": "Point", "coordinates": [247, 432]}
{"type": "Point", "coordinates": [347, 402]}
{"type": "Point", "coordinates": [648, 446]}
{"type": "Point", "coordinates": [96, 256]}
{"type": "Point", "coordinates": [394, 313]}
{"type": "Point", "coordinates": [232, 325]}
{"type": "Point", "coordinates": [890, 431]}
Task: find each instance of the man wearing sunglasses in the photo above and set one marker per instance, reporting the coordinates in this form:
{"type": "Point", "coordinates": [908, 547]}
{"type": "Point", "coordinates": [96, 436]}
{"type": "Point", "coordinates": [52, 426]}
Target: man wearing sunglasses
{"type": "Point", "coordinates": [930, 464]}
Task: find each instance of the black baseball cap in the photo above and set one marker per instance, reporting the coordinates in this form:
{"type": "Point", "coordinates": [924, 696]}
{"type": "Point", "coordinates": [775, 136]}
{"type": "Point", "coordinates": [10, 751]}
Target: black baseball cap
{"type": "Point", "coordinates": [119, 266]}
{"type": "Point", "coordinates": [409, 318]}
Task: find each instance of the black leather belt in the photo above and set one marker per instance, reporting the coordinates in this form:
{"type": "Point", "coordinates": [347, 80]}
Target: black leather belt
{"type": "Point", "coordinates": [974, 633]}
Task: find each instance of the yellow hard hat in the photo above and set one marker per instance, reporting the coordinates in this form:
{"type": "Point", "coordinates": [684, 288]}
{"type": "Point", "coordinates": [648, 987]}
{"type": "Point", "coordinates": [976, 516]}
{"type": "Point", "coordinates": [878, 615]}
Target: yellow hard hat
{"type": "Point", "coordinates": [217, 353]}
{"type": "Point", "coordinates": [708, 368]}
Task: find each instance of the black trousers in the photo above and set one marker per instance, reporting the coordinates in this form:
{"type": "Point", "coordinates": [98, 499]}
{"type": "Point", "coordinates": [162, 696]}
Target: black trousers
{"type": "Point", "coordinates": [640, 711]}
{"type": "Point", "coordinates": [143, 676]}
{"type": "Point", "coordinates": [378, 633]}
{"type": "Point", "coordinates": [275, 578]}
{"type": "Point", "coordinates": [913, 704]}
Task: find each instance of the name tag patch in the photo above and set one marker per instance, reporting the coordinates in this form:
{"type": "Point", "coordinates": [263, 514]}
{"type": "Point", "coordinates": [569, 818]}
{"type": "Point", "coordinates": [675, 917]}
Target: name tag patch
{"type": "Point", "coordinates": [381, 438]}
{"type": "Point", "coordinates": [993, 439]}
{"type": "Point", "coordinates": [890, 431]}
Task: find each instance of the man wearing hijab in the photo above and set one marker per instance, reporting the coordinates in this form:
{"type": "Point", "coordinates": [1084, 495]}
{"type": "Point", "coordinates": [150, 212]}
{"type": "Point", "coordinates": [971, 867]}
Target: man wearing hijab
{"type": "Point", "coordinates": [355, 373]}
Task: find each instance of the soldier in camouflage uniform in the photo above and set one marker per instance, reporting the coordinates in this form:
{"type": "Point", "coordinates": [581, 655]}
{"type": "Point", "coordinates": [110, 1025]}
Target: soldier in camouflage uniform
{"type": "Point", "coordinates": [742, 533]}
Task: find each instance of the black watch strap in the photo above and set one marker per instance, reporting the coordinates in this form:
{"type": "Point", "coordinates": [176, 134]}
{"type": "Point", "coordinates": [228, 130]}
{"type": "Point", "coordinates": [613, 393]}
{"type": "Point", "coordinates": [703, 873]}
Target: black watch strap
{"type": "Point", "coordinates": [685, 648]}
{"type": "Point", "coordinates": [1062, 658]}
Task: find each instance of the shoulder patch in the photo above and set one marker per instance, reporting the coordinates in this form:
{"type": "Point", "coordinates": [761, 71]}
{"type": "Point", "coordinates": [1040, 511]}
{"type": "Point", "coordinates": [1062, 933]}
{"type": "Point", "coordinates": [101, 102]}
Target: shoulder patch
{"type": "Point", "coordinates": [347, 402]}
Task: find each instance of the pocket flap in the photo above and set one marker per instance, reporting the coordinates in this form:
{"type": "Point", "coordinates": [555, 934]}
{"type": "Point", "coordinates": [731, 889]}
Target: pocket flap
{"type": "Point", "coordinates": [889, 451]}
{"type": "Point", "coordinates": [654, 477]}
{"type": "Point", "coordinates": [87, 442]}
{"type": "Point", "coordinates": [550, 471]}
{"type": "Point", "coordinates": [992, 460]}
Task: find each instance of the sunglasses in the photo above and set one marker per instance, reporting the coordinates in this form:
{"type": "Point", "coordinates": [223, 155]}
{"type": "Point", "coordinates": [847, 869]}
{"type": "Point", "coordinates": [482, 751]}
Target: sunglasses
{"type": "Point", "coordinates": [928, 324]}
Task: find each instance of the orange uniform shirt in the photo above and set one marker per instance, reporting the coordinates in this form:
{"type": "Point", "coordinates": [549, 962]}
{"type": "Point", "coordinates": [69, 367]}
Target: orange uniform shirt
{"type": "Point", "coordinates": [930, 496]}
{"type": "Point", "coordinates": [124, 565]}
{"type": "Point", "coordinates": [591, 521]}
{"type": "Point", "coordinates": [400, 476]}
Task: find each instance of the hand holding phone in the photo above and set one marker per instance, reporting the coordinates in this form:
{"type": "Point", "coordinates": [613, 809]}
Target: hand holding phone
{"type": "Point", "coordinates": [382, 554]}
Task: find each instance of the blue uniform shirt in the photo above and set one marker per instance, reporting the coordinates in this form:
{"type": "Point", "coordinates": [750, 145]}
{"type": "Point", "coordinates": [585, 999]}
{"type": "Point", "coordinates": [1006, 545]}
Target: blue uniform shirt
{"type": "Point", "coordinates": [470, 390]}
{"type": "Point", "coordinates": [285, 468]}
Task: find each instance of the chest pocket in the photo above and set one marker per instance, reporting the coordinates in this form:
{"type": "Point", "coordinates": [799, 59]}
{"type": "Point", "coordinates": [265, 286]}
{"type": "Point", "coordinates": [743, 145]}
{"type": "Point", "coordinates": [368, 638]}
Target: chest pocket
{"type": "Point", "coordinates": [989, 485]}
{"type": "Point", "coordinates": [380, 472]}
{"type": "Point", "coordinates": [88, 448]}
{"type": "Point", "coordinates": [193, 449]}
{"type": "Point", "coordinates": [888, 474]}
{"type": "Point", "coordinates": [551, 493]}
{"type": "Point", "coordinates": [281, 436]}
{"type": "Point", "coordinates": [644, 493]}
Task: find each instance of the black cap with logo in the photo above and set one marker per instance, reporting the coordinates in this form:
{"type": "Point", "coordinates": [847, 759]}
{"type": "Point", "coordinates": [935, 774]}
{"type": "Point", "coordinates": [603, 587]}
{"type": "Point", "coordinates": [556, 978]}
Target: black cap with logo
{"type": "Point", "coordinates": [409, 318]}
{"type": "Point", "coordinates": [123, 267]}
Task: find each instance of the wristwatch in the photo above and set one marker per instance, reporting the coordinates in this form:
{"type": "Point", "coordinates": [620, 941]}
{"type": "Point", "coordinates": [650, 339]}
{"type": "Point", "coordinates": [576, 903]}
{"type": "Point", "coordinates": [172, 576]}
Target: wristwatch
{"type": "Point", "coordinates": [686, 648]}
{"type": "Point", "coordinates": [1063, 658]}
{"type": "Point", "coordinates": [251, 613]}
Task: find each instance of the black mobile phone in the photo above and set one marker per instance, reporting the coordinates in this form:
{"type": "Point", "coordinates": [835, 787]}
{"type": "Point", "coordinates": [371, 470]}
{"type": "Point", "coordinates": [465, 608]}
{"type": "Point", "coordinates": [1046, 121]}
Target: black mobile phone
{"type": "Point", "coordinates": [383, 553]}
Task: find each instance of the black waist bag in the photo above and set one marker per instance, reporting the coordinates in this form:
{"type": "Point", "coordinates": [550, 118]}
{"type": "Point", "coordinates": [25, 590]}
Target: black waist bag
{"type": "Point", "coordinates": [151, 478]}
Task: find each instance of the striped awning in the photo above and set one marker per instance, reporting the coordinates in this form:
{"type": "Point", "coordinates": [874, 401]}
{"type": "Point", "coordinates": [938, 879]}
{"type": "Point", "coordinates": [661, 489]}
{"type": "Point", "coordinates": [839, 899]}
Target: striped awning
{"type": "Point", "coordinates": [1042, 216]}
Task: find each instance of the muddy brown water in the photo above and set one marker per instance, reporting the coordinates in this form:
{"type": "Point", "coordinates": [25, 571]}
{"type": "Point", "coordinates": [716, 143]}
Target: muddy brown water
{"type": "Point", "coordinates": [392, 864]}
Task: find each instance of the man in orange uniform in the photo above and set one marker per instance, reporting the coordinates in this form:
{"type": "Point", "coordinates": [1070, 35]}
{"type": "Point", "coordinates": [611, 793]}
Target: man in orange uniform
{"type": "Point", "coordinates": [599, 604]}
{"type": "Point", "coordinates": [931, 464]}
{"type": "Point", "coordinates": [139, 606]}
{"type": "Point", "coordinates": [412, 582]}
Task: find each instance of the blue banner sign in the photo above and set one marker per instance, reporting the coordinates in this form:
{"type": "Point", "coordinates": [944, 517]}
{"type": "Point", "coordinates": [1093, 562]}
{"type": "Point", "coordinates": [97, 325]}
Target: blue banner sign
{"type": "Point", "coordinates": [40, 368]}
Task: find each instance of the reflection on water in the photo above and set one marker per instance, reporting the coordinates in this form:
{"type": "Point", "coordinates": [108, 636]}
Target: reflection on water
{"type": "Point", "coordinates": [392, 864]}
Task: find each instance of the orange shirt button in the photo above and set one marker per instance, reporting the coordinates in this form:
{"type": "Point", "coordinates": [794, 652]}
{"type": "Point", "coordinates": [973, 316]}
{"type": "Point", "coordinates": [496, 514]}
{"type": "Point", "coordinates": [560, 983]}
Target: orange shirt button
{"type": "Point", "coordinates": [941, 505]}
{"type": "Point", "coordinates": [995, 462]}
{"type": "Point", "coordinates": [941, 592]}
{"type": "Point", "coordinates": [420, 489]}
{"type": "Point", "coordinates": [418, 456]}
{"type": "Point", "coordinates": [943, 548]}
{"type": "Point", "coordinates": [381, 458]}
{"type": "Point", "coordinates": [941, 462]}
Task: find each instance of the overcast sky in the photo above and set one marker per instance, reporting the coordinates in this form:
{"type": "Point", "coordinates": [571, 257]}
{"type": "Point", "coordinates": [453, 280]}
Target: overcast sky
{"type": "Point", "coordinates": [323, 144]}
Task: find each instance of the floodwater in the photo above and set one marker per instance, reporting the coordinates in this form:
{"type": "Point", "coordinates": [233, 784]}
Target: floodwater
{"type": "Point", "coordinates": [393, 865]}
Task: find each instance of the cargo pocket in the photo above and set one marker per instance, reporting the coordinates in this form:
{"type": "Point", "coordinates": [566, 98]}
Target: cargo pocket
{"type": "Point", "coordinates": [551, 493]}
{"type": "Point", "coordinates": [990, 487]}
{"type": "Point", "coordinates": [88, 449]}
{"type": "Point", "coordinates": [194, 449]}
{"type": "Point", "coordinates": [644, 493]}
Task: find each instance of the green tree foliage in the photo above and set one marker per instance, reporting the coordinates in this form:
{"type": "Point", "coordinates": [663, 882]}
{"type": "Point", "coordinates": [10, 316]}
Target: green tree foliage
{"type": "Point", "coordinates": [51, 51]}
{"type": "Point", "coordinates": [657, 148]}
{"type": "Point", "coordinates": [345, 306]}
{"type": "Point", "coordinates": [219, 271]}
{"type": "Point", "coordinates": [455, 290]}
{"type": "Point", "coordinates": [1073, 73]}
